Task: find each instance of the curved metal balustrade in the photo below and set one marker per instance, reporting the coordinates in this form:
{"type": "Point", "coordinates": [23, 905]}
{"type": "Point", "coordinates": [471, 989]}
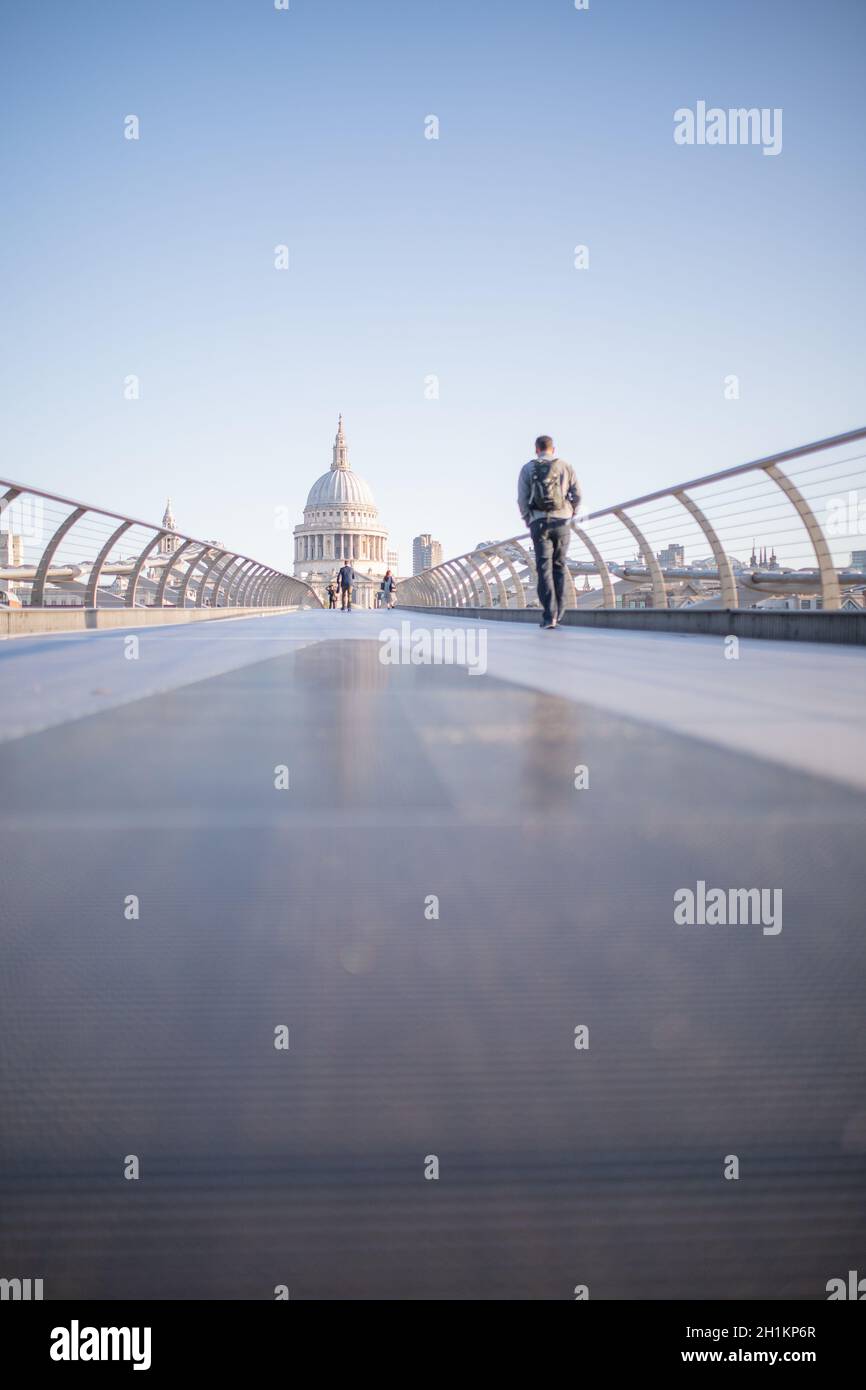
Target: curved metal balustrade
{"type": "Point", "coordinates": [684, 545]}
{"type": "Point", "coordinates": [55, 552]}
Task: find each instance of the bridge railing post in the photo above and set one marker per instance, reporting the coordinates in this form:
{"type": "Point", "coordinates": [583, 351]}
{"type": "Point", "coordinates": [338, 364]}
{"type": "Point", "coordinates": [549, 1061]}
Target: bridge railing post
{"type": "Point", "coordinates": [487, 558]}
{"type": "Point", "coordinates": [660, 594]}
{"type": "Point", "coordinates": [37, 592]}
{"type": "Point", "coordinates": [479, 581]}
{"type": "Point", "coordinates": [218, 574]}
{"type": "Point", "coordinates": [446, 577]}
{"type": "Point", "coordinates": [830, 592]}
{"type": "Point", "coordinates": [727, 583]}
{"type": "Point", "coordinates": [200, 597]}
{"type": "Point", "coordinates": [91, 595]}
{"type": "Point", "coordinates": [455, 582]}
{"type": "Point", "coordinates": [235, 585]}
{"type": "Point", "coordinates": [246, 584]}
{"type": "Point", "coordinates": [197, 560]}
{"type": "Point", "coordinates": [132, 582]}
{"type": "Point", "coordinates": [518, 591]}
{"type": "Point", "coordinates": [608, 595]}
{"type": "Point", "coordinates": [164, 578]}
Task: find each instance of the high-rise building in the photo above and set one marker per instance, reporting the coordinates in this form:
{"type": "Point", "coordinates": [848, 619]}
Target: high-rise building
{"type": "Point", "coordinates": [394, 561]}
{"type": "Point", "coordinates": [425, 553]}
{"type": "Point", "coordinates": [420, 548]}
{"type": "Point", "coordinates": [858, 559]}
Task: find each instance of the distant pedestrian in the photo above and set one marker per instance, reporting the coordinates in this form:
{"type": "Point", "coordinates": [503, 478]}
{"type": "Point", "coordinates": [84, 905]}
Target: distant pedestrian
{"type": "Point", "coordinates": [332, 595]}
{"type": "Point", "coordinates": [346, 581]}
{"type": "Point", "coordinates": [389, 589]}
{"type": "Point", "coordinates": [548, 495]}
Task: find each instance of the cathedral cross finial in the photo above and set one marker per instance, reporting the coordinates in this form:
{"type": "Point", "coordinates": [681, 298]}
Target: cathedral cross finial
{"type": "Point", "coordinates": [341, 452]}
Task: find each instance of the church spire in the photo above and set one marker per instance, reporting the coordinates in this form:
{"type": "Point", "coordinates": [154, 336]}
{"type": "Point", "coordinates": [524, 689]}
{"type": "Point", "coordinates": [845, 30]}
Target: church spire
{"type": "Point", "coordinates": [341, 450]}
{"type": "Point", "coordinates": [168, 544]}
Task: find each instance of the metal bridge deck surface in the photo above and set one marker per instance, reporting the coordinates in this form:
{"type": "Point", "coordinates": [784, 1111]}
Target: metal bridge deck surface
{"type": "Point", "coordinates": [800, 704]}
{"type": "Point", "coordinates": [412, 1037]}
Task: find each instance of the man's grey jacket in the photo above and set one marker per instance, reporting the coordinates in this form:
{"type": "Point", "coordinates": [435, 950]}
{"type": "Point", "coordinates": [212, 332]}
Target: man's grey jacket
{"type": "Point", "coordinates": [570, 491]}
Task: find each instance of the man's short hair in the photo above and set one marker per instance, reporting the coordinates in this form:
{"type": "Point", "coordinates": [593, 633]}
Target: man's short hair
{"type": "Point", "coordinates": [543, 443]}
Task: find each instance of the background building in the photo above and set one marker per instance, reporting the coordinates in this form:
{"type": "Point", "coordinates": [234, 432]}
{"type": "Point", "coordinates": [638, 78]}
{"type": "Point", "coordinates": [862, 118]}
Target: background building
{"type": "Point", "coordinates": [760, 559]}
{"type": "Point", "coordinates": [11, 548]}
{"type": "Point", "coordinates": [341, 522]}
{"type": "Point", "coordinates": [425, 553]}
{"type": "Point", "coordinates": [673, 555]}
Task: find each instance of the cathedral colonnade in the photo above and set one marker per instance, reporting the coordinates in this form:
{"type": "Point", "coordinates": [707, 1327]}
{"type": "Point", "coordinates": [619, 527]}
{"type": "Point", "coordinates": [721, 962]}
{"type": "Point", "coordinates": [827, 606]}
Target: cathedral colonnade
{"type": "Point", "coordinates": [324, 545]}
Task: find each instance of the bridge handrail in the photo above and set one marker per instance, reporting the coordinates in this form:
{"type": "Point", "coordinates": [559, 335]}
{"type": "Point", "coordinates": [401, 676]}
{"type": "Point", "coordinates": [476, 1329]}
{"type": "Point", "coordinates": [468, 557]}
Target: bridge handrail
{"type": "Point", "coordinates": [507, 566]}
{"type": "Point", "coordinates": [229, 578]}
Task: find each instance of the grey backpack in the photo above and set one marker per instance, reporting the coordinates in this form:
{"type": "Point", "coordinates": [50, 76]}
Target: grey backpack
{"type": "Point", "coordinates": [545, 486]}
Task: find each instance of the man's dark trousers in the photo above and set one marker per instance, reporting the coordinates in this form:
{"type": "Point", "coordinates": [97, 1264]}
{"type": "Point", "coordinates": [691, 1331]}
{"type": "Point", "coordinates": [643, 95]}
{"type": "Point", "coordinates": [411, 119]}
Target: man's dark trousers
{"type": "Point", "coordinates": [345, 596]}
{"type": "Point", "coordinates": [550, 537]}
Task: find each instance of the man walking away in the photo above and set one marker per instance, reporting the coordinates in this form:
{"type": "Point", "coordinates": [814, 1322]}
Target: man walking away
{"type": "Point", "coordinates": [345, 579]}
{"type": "Point", "coordinates": [548, 495]}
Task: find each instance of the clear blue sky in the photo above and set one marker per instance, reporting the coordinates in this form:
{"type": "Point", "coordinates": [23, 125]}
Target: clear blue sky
{"type": "Point", "coordinates": [411, 257]}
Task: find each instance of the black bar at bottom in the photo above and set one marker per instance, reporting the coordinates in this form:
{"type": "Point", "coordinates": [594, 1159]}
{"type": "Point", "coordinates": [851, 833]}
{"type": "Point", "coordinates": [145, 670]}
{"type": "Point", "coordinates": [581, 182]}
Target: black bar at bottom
{"type": "Point", "coordinates": [164, 1339]}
